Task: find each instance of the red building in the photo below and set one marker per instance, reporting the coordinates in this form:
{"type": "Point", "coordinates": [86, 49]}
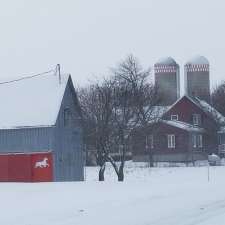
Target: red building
{"type": "Point", "coordinates": [26, 167]}
{"type": "Point", "coordinates": [188, 130]}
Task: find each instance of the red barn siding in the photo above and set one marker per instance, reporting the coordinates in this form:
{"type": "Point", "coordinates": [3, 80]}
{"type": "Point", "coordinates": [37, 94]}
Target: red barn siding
{"type": "Point", "coordinates": [42, 174]}
{"type": "Point", "coordinates": [160, 139]}
{"type": "Point", "coordinates": [20, 167]}
{"type": "Point", "coordinates": [160, 145]}
{"type": "Point", "coordinates": [4, 174]}
{"type": "Point", "coordinates": [185, 109]}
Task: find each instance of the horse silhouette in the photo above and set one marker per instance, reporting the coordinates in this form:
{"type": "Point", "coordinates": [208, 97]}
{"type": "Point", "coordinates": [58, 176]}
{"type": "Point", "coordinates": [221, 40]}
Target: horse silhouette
{"type": "Point", "coordinates": [42, 164]}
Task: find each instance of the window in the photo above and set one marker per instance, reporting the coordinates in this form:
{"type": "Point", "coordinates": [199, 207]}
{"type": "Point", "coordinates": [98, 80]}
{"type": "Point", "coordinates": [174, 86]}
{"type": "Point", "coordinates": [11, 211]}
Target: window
{"type": "Point", "coordinates": [149, 142]}
{"type": "Point", "coordinates": [220, 139]}
{"type": "Point", "coordinates": [194, 141]}
{"type": "Point", "coordinates": [197, 119]}
{"type": "Point", "coordinates": [67, 117]}
{"type": "Point", "coordinates": [200, 145]}
{"type": "Point", "coordinates": [171, 140]}
{"type": "Point", "coordinates": [197, 141]}
{"type": "Point", "coordinates": [174, 117]}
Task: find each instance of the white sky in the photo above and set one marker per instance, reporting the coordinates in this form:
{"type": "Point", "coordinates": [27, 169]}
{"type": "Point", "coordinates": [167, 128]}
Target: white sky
{"type": "Point", "coordinates": [87, 37]}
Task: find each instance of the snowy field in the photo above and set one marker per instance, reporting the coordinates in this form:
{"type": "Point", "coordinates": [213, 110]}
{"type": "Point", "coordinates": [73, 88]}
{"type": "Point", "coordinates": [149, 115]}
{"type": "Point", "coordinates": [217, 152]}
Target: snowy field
{"type": "Point", "coordinates": [158, 196]}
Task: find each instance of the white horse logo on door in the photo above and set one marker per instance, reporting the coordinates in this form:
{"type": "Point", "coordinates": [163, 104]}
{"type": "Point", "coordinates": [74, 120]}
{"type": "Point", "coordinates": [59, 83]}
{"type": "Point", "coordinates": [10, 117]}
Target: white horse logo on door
{"type": "Point", "coordinates": [42, 164]}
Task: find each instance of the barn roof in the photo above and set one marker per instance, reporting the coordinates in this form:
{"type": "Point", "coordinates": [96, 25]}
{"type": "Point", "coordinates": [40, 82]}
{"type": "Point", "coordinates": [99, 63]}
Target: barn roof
{"type": "Point", "coordinates": [205, 107]}
{"type": "Point", "coordinates": [222, 130]}
{"type": "Point", "coordinates": [33, 102]}
{"type": "Point", "coordinates": [158, 111]}
{"type": "Point", "coordinates": [184, 126]}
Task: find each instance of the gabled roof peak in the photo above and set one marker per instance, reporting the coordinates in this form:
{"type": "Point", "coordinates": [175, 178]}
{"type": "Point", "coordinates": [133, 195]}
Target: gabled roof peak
{"type": "Point", "coordinates": [184, 126]}
{"type": "Point", "coordinates": [205, 107]}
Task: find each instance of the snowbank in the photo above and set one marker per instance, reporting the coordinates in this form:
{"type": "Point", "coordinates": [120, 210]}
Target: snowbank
{"type": "Point", "coordinates": [158, 196]}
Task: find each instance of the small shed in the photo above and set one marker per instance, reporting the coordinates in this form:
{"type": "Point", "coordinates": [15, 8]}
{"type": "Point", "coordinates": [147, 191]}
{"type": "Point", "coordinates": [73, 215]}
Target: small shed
{"type": "Point", "coordinates": [41, 136]}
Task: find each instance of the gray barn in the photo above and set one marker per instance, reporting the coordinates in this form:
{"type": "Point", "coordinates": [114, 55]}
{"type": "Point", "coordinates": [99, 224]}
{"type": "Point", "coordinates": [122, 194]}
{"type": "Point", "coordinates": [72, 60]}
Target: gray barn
{"type": "Point", "coordinates": [42, 114]}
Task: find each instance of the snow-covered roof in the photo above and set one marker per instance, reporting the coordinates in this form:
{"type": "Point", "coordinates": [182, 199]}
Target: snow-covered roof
{"type": "Point", "coordinates": [207, 108]}
{"type": "Point", "coordinates": [183, 125]}
{"type": "Point", "coordinates": [166, 61]}
{"type": "Point", "coordinates": [198, 60]}
{"type": "Point", "coordinates": [154, 114]}
{"type": "Point", "coordinates": [222, 130]}
{"type": "Point", "coordinates": [33, 102]}
{"type": "Point", "coordinates": [158, 111]}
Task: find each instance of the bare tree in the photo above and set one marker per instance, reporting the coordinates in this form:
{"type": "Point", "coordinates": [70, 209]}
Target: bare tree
{"type": "Point", "coordinates": [96, 104]}
{"type": "Point", "coordinates": [135, 98]}
{"type": "Point", "coordinates": [114, 109]}
{"type": "Point", "coordinates": [218, 98]}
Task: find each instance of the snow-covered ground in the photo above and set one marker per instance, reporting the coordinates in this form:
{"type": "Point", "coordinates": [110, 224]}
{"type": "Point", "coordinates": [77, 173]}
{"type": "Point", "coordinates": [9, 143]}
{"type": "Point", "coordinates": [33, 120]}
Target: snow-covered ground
{"type": "Point", "coordinates": [158, 196]}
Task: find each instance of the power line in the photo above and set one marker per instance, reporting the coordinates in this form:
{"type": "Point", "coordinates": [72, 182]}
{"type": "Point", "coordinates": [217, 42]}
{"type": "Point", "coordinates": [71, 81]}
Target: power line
{"type": "Point", "coordinates": [28, 77]}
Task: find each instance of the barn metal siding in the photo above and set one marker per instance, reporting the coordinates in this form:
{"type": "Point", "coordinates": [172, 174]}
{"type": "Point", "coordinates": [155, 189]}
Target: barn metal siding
{"type": "Point", "coordinates": [26, 140]}
{"type": "Point", "coordinates": [68, 142]}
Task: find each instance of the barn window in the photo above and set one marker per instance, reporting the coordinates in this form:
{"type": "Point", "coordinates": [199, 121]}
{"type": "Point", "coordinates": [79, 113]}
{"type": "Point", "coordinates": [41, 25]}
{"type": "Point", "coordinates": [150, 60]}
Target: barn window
{"type": "Point", "coordinates": [67, 117]}
{"type": "Point", "coordinates": [171, 141]}
{"type": "Point", "coordinates": [174, 117]}
{"type": "Point", "coordinates": [196, 119]}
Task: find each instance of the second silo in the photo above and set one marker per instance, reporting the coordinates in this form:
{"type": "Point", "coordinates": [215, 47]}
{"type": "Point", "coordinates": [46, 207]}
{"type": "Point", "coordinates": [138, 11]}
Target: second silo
{"type": "Point", "coordinates": [197, 83]}
{"type": "Point", "coordinates": [167, 80]}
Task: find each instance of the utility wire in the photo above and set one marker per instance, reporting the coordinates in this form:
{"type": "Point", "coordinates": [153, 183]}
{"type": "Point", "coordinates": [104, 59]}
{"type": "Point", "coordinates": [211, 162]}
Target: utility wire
{"type": "Point", "coordinates": [28, 77]}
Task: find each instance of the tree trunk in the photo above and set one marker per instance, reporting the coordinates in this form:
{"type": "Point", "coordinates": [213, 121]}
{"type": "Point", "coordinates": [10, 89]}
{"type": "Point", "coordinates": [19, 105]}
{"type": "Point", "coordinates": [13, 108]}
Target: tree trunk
{"type": "Point", "coordinates": [151, 163]}
{"type": "Point", "coordinates": [101, 173]}
{"type": "Point", "coordinates": [121, 173]}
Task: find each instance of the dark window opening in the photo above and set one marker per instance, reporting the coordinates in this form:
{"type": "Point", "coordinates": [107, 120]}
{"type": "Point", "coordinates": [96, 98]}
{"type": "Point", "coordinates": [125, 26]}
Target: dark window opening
{"type": "Point", "coordinates": [67, 117]}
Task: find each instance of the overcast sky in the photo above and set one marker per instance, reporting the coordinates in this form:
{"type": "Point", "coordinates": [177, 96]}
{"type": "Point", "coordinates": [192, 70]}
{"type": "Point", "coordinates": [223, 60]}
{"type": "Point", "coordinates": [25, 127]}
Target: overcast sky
{"type": "Point", "coordinates": [88, 36]}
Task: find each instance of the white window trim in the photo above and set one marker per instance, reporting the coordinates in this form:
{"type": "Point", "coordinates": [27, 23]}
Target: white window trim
{"type": "Point", "coordinates": [151, 137]}
{"type": "Point", "coordinates": [200, 143]}
{"type": "Point", "coordinates": [197, 141]}
{"type": "Point", "coordinates": [196, 119]}
{"type": "Point", "coordinates": [174, 117]}
{"type": "Point", "coordinates": [219, 139]}
{"type": "Point", "coordinates": [149, 141]}
{"type": "Point", "coordinates": [194, 140]}
{"type": "Point", "coordinates": [171, 141]}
